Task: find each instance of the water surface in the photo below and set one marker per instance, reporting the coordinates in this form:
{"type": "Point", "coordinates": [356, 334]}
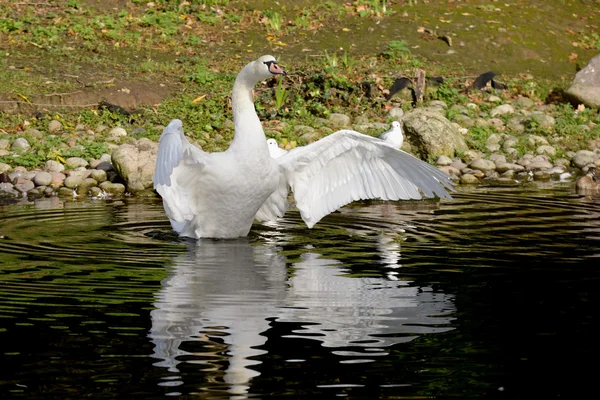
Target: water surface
{"type": "Point", "coordinates": [491, 295]}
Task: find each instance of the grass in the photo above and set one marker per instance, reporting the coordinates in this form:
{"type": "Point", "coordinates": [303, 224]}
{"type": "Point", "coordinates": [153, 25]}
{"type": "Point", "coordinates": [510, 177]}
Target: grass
{"type": "Point", "coordinates": [196, 48]}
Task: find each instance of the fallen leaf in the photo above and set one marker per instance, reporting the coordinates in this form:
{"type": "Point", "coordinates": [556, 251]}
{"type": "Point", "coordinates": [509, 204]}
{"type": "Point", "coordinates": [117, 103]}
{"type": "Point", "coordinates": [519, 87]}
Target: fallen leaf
{"type": "Point", "coordinates": [198, 99]}
{"type": "Point", "coordinates": [345, 30]}
{"type": "Point", "coordinates": [572, 57]}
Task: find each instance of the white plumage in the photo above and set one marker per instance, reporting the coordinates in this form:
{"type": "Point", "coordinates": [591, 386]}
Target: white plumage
{"type": "Point", "coordinates": [274, 150]}
{"type": "Point", "coordinates": [219, 195]}
{"type": "Point", "coordinates": [394, 135]}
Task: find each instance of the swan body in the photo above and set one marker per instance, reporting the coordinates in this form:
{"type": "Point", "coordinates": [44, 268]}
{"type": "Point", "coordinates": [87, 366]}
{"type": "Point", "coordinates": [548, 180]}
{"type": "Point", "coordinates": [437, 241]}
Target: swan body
{"type": "Point", "coordinates": [394, 135]}
{"type": "Point", "coordinates": [274, 150]}
{"type": "Point", "coordinates": [219, 195]}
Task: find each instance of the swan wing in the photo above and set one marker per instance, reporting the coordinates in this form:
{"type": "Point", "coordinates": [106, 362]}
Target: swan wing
{"type": "Point", "coordinates": [276, 204]}
{"type": "Point", "coordinates": [177, 161]}
{"type": "Point", "coordinates": [347, 166]}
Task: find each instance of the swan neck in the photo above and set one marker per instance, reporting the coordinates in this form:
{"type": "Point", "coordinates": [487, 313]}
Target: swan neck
{"type": "Point", "coordinates": [248, 129]}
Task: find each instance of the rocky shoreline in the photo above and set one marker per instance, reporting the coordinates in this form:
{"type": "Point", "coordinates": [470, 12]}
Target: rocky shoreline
{"type": "Point", "coordinates": [429, 135]}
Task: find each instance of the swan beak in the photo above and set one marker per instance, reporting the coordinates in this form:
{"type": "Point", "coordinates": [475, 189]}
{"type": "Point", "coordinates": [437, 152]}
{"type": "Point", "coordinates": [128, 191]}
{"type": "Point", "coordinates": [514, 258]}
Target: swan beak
{"type": "Point", "coordinates": [275, 69]}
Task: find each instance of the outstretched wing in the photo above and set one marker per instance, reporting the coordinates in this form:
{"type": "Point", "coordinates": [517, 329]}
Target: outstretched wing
{"type": "Point", "coordinates": [176, 158]}
{"type": "Point", "coordinates": [347, 166]}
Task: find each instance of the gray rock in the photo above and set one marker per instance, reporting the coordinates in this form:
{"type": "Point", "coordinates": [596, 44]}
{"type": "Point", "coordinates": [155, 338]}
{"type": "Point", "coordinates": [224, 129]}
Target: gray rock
{"type": "Point", "coordinates": [458, 164]}
{"type": "Point", "coordinates": [23, 185]}
{"type": "Point", "coordinates": [58, 178]}
{"type": "Point", "coordinates": [539, 162]}
{"type": "Point", "coordinates": [72, 181]}
{"type": "Point", "coordinates": [545, 149]}
{"type": "Point", "coordinates": [443, 161]}
{"type": "Point", "coordinates": [482, 122]}
{"type": "Point", "coordinates": [464, 121]}
{"type": "Point", "coordinates": [449, 170]}
{"type": "Point", "coordinates": [4, 144]}
{"type": "Point", "coordinates": [105, 166]}
{"type": "Point", "coordinates": [483, 164]}
{"type": "Point", "coordinates": [117, 189]}
{"type": "Point", "coordinates": [42, 178]}
{"type": "Point", "coordinates": [524, 102]}
{"type": "Point", "coordinates": [504, 166]}
{"type": "Point", "coordinates": [439, 104]}
{"type": "Point", "coordinates": [4, 168]}
{"type": "Point", "coordinates": [468, 179]}
{"type": "Point", "coordinates": [302, 129]}
{"type": "Point", "coordinates": [7, 190]}
{"type": "Point", "coordinates": [396, 112]}
{"type": "Point", "coordinates": [54, 126]}
{"type": "Point", "coordinates": [497, 158]}
{"type": "Point", "coordinates": [471, 155]}
{"type": "Point", "coordinates": [96, 192]}
{"type": "Point", "coordinates": [536, 140]}
{"type": "Point", "coordinates": [502, 110]}
{"type": "Point", "coordinates": [562, 162]}
{"type": "Point", "coordinates": [432, 135]}
{"type": "Point", "coordinates": [228, 125]}
{"type": "Point", "coordinates": [496, 122]}
{"type": "Point", "coordinates": [583, 158]}
{"type": "Point", "coordinates": [542, 176]}
{"type": "Point", "coordinates": [75, 162]}
{"type": "Point", "coordinates": [491, 174]}
{"type": "Point", "coordinates": [516, 124]}
{"type": "Point", "coordinates": [339, 120]}
{"type": "Point", "coordinates": [101, 128]}
{"type": "Point", "coordinates": [20, 145]}
{"type": "Point", "coordinates": [117, 133]}
{"type": "Point", "coordinates": [4, 152]}
{"type": "Point", "coordinates": [494, 99]}
{"type": "Point", "coordinates": [361, 119]}
{"type": "Point", "coordinates": [508, 174]}
{"type": "Point", "coordinates": [53, 166]}
{"type": "Point", "coordinates": [66, 192]}
{"type": "Point", "coordinates": [585, 88]}
{"type": "Point", "coordinates": [99, 175]}
{"type": "Point", "coordinates": [541, 120]}
{"type": "Point", "coordinates": [135, 162]}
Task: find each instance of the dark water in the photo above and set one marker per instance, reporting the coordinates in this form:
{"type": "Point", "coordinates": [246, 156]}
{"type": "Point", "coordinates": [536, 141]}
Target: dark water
{"type": "Point", "coordinates": [494, 295]}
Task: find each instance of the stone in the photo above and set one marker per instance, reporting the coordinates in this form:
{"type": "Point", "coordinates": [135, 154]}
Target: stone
{"type": "Point", "coordinates": [7, 190]}
{"type": "Point", "coordinates": [536, 140]}
{"type": "Point", "coordinates": [75, 162]}
{"type": "Point", "coordinates": [516, 124]}
{"type": "Point", "coordinates": [4, 168]}
{"type": "Point", "coordinates": [58, 178]}
{"type": "Point", "coordinates": [449, 170]}
{"type": "Point", "coordinates": [20, 145]}
{"type": "Point", "coordinates": [117, 133]}
{"type": "Point", "coordinates": [361, 119]}
{"type": "Point", "coordinates": [105, 166]}
{"type": "Point", "coordinates": [439, 104]}
{"type": "Point", "coordinates": [585, 88]}
{"type": "Point", "coordinates": [471, 155]}
{"type": "Point", "coordinates": [503, 109]}
{"type": "Point", "coordinates": [66, 192]}
{"type": "Point", "coordinates": [545, 149]}
{"type": "Point", "coordinates": [443, 161]}
{"type": "Point", "coordinates": [458, 164]}
{"type": "Point", "coordinates": [42, 178]}
{"type": "Point", "coordinates": [504, 166]}
{"type": "Point", "coordinates": [539, 162]}
{"type": "Point", "coordinates": [496, 122]}
{"type": "Point", "coordinates": [583, 158]}
{"type": "Point", "coordinates": [302, 129]}
{"type": "Point", "coordinates": [72, 181]}
{"type": "Point", "coordinates": [541, 120]}
{"type": "Point", "coordinates": [524, 102]}
{"type": "Point", "coordinates": [54, 126]}
{"type": "Point", "coordinates": [432, 135]}
{"type": "Point", "coordinates": [494, 99]}
{"type": "Point", "coordinates": [396, 112]}
{"type": "Point", "coordinates": [497, 158]}
{"type": "Point", "coordinates": [99, 175]}
{"type": "Point", "coordinates": [464, 120]}
{"type": "Point", "coordinates": [542, 176]}
{"type": "Point", "coordinates": [135, 163]}
{"type": "Point", "coordinates": [468, 179]}
{"type": "Point", "coordinates": [338, 120]}
{"type": "Point", "coordinates": [23, 185]}
{"type": "Point", "coordinates": [53, 166]}
{"type": "Point", "coordinates": [117, 189]}
{"type": "Point", "coordinates": [483, 164]}
{"type": "Point", "coordinates": [4, 144]}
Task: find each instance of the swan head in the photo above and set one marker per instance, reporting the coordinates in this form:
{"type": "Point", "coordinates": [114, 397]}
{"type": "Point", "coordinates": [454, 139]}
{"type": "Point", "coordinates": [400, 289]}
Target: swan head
{"type": "Point", "coordinates": [265, 67]}
{"type": "Point", "coordinates": [272, 143]}
{"type": "Point", "coordinates": [395, 125]}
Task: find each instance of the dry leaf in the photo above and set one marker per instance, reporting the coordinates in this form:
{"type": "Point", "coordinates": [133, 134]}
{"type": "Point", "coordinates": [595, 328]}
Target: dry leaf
{"type": "Point", "coordinates": [198, 99]}
{"type": "Point", "coordinates": [572, 57]}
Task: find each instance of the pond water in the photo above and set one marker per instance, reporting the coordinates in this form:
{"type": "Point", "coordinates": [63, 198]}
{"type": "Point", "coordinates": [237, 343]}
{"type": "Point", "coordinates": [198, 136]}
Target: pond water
{"type": "Point", "coordinates": [493, 295]}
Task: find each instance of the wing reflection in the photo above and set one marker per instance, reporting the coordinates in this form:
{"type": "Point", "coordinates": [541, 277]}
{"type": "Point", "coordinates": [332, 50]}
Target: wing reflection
{"type": "Point", "coordinates": [221, 295]}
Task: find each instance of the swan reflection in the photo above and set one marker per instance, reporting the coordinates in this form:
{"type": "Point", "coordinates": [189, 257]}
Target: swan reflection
{"type": "Point", "coordinates": [221, 297]}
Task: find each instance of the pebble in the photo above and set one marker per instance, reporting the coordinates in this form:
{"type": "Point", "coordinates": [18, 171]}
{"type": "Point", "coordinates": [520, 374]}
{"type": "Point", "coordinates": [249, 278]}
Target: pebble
{"type": "Point", "coordinates": [502, 110]}
{"type": "Point", "coordinates": [338, 120]}
{"type": "Point", "coordinates": [20, 145]}
{"type": "Point", "coordinates": [468, 179]}
{"type": "Point", "coordinates": [75, 162]}
{"type": "Point", "coordinates": [54, 126]}
{"type": "Point", "coordinates": [483, 164]}
{"type": "Point", "coordinates": [53, 166]}
{"type": "Point", "coordinates": [443, 161]}
{"type": "Point", "coordinates": [42, 178]}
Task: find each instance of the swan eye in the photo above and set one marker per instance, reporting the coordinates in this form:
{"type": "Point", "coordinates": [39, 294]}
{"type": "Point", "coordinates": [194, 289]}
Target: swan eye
{"type": "Point", "coordinates": [274, 68]}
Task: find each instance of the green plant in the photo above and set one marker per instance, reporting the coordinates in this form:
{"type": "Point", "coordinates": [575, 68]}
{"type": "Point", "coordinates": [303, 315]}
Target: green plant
{"type": "Point", "coordinates": [396, 49]}
{"type": "Point", "coordinates": [281, 94]}
{"type": "Point", "coordinates": [274, 20]}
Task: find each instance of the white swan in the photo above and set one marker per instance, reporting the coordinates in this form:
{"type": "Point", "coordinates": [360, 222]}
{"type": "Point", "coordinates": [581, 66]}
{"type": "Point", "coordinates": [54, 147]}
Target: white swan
{"type": "Point", "coordinates": [218, 195]}
{"type": "Point", "coordinates": [394, 135]}
{"type": "Point", "coordinates": [274, 150]}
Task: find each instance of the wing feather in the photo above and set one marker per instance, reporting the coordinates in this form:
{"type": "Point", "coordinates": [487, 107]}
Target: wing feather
{"type": "Point", "coordinates": [347, 166]}
{"type": "Point", "coordinates": [175, 154]}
